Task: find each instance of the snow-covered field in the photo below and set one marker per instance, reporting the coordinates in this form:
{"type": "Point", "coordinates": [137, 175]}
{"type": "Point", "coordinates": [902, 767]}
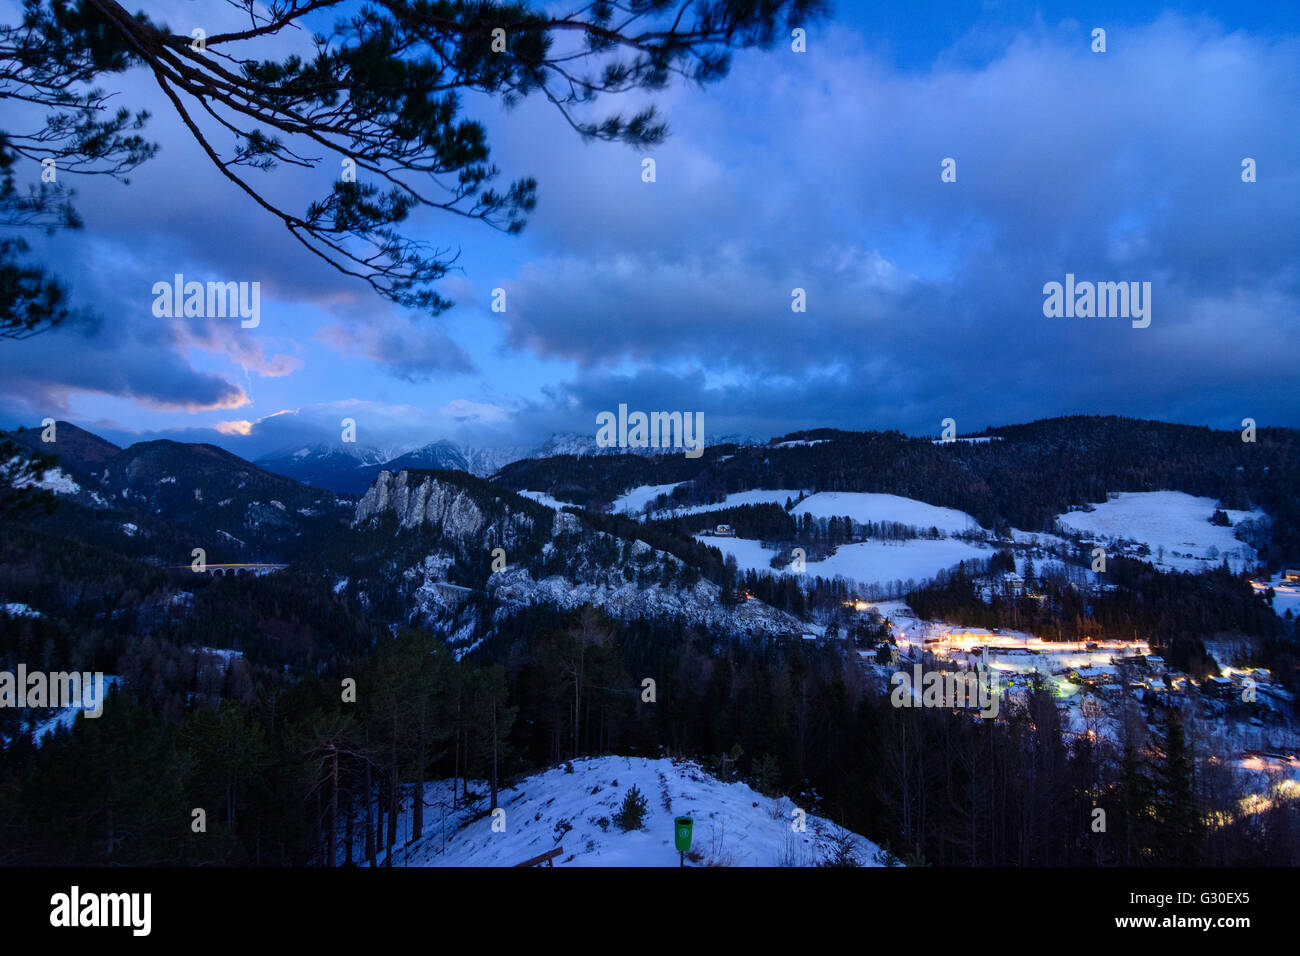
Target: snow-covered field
{"type": "Point", "coordinates": [733, 824]}
{"type": "Point", "coordinates": [634, 501]}
{"type": "Point", "coordinates": [863, 507]}
{"type": "Point", "coordinates": [860, 506]}
{"type": "Point", "coordinates": [543, 498]}
{"type": "Point", "coordinates": [1177, 522]}
{"type": "Point", "coordinates": [867, 562]}
{"type": "Point", "coordinates": [1286, 595]}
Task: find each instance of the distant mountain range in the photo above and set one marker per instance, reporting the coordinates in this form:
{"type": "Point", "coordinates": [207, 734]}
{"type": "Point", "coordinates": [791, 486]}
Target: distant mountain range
{"type": "Point", "coordinates": [349, 468]}
{"type": "Point", "coordinates": [163, 498]}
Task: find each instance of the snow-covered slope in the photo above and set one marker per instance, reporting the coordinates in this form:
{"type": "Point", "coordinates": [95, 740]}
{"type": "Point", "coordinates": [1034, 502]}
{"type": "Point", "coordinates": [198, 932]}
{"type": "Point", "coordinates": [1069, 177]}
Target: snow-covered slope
{"type": "Point", "coordinates": [542, 498]}
{"type": "Point", "coordinates": [864, 507]}
{"type": "Point", "coordinates": [866, 562]}
{"type": "Point", "coordinates": [1286, 594]}
{"type": "Point", "coordinates": [63, 717]}
{"type": "Point", "coordinates": [1170, 520]}
{"type": "Point", "coordinates": [634, 501]}
{"type": "Point", "coordinates": [51, 479]}
{"type": "Point", "coordinates": [608, 588]}
{"type": "Point", "coordinates": [578, 569]}
{"type": "Point", "coordinates": [733, 824]}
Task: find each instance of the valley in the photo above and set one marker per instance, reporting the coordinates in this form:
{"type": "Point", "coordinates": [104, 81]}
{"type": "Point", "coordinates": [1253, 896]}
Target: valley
{"type": "Point", "coordinates": [489, 631]}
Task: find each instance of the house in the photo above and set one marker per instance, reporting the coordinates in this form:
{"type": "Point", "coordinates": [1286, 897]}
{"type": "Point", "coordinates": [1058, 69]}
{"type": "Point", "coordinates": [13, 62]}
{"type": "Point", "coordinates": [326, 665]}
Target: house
{"type": "Point", "coordinates": [1291, 575]}
{"type": "Point", "coordinates": [724, 531]}
{"type": "Point", "coordinates": [1221, 687]}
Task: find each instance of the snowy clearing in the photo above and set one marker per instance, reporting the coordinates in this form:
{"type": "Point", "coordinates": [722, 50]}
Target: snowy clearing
{"type": "Point", "coordinates": [542, 498]}
{"type": "Point", "coordinates": [867, 562]}
{"type": "Point", "coordinates": [1177, 522]}
{"type": "Point", "coordinates": [733, 824]}
{"type": "Point", "coordinates": [1286, 594]}
{"type": "Point", "coordinates": [863, 507]}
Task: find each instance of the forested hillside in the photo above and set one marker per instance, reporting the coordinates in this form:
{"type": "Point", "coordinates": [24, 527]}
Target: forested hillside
{"type": "Point", "coordinates": [1023, 479]}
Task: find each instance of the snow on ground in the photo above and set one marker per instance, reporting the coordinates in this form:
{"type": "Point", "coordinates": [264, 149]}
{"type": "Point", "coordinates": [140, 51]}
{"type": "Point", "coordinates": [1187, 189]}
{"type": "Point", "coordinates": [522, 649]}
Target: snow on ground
{"type": "Point", "coordinates": [863, 507]}
{"type": "Point", "coordinates": [15, 609]}
{"type": "Point", "coordinates": [750, 553]}
{"type": "Point", "coordinates": [648, 493]}
{"type": "Point", "coordinates": [52, 479]}
{"type": "Point", "coordinates": [1041, 539]}
{"type": "Point", "coordinates": [634, 501]}
{"type": "Point", "coordinates": [1286, 595]}
{"type": "Point", "coordinates": [225, 654]}
{"type": "Point", "coordinates": [801, 442]}
{"type": "Point", "coordinates": [886, 561]}
{"type": "Point", "coordinates": [860, 506]}
{"type": "Point", "coordinates": [1178, 522]}
{"type": "Point", "coordinates": [1045, 565]}
{"type": "Point", "coordinates": [978, 440]}
{"type": "Point", "coordinates": [66, 716]}
{"type": "Point", "coordinates": [543, 498]}
{"type": "Point", "coordinates": [867, 562]}
{"type": "Point", "coordinates": [1005, 650]}
{"type": "Point", "coordinates": [733, 824]}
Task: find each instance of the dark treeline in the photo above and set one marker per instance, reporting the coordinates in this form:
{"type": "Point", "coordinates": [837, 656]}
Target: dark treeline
{"type": "Point", "coordinates": [766, 522]}
{"type": "Point", "coordinates": [290, 771]}
{"type": "Point", "coordinates": [276, 766]}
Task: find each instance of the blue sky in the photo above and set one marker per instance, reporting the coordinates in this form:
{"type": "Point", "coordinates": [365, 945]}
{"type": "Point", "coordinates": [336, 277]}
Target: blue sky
{"type": "Point", "coordinates": [819, 171]}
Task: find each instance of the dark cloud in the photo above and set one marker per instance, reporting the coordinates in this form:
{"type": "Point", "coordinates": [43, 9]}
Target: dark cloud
{"type": "Point", "coordinates": [820, 171]}
{"type": "Point", "coordinates": [925, 298]}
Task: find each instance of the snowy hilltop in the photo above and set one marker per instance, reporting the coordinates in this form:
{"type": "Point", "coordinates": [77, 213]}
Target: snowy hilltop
{"type": "Point", "coordinates": [576, 806]}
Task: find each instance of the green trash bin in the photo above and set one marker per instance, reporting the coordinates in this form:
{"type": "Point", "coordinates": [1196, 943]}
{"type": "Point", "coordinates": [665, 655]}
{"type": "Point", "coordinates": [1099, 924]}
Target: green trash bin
{"type": "Point", "coordinates": [682, 832]}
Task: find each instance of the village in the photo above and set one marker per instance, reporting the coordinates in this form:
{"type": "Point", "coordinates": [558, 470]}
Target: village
{"type": "Point", "coordinates": [1097, 686]}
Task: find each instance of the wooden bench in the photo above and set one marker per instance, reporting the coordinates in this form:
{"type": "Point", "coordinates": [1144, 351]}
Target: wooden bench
{"type": "Point", "coordinates": [541, 858]}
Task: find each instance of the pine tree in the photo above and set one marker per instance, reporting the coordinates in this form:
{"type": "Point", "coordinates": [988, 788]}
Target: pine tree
{"type": "Point", "coordinates": [1176, 812]}
{"type": "Point", "coordinates": [632, 813]}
